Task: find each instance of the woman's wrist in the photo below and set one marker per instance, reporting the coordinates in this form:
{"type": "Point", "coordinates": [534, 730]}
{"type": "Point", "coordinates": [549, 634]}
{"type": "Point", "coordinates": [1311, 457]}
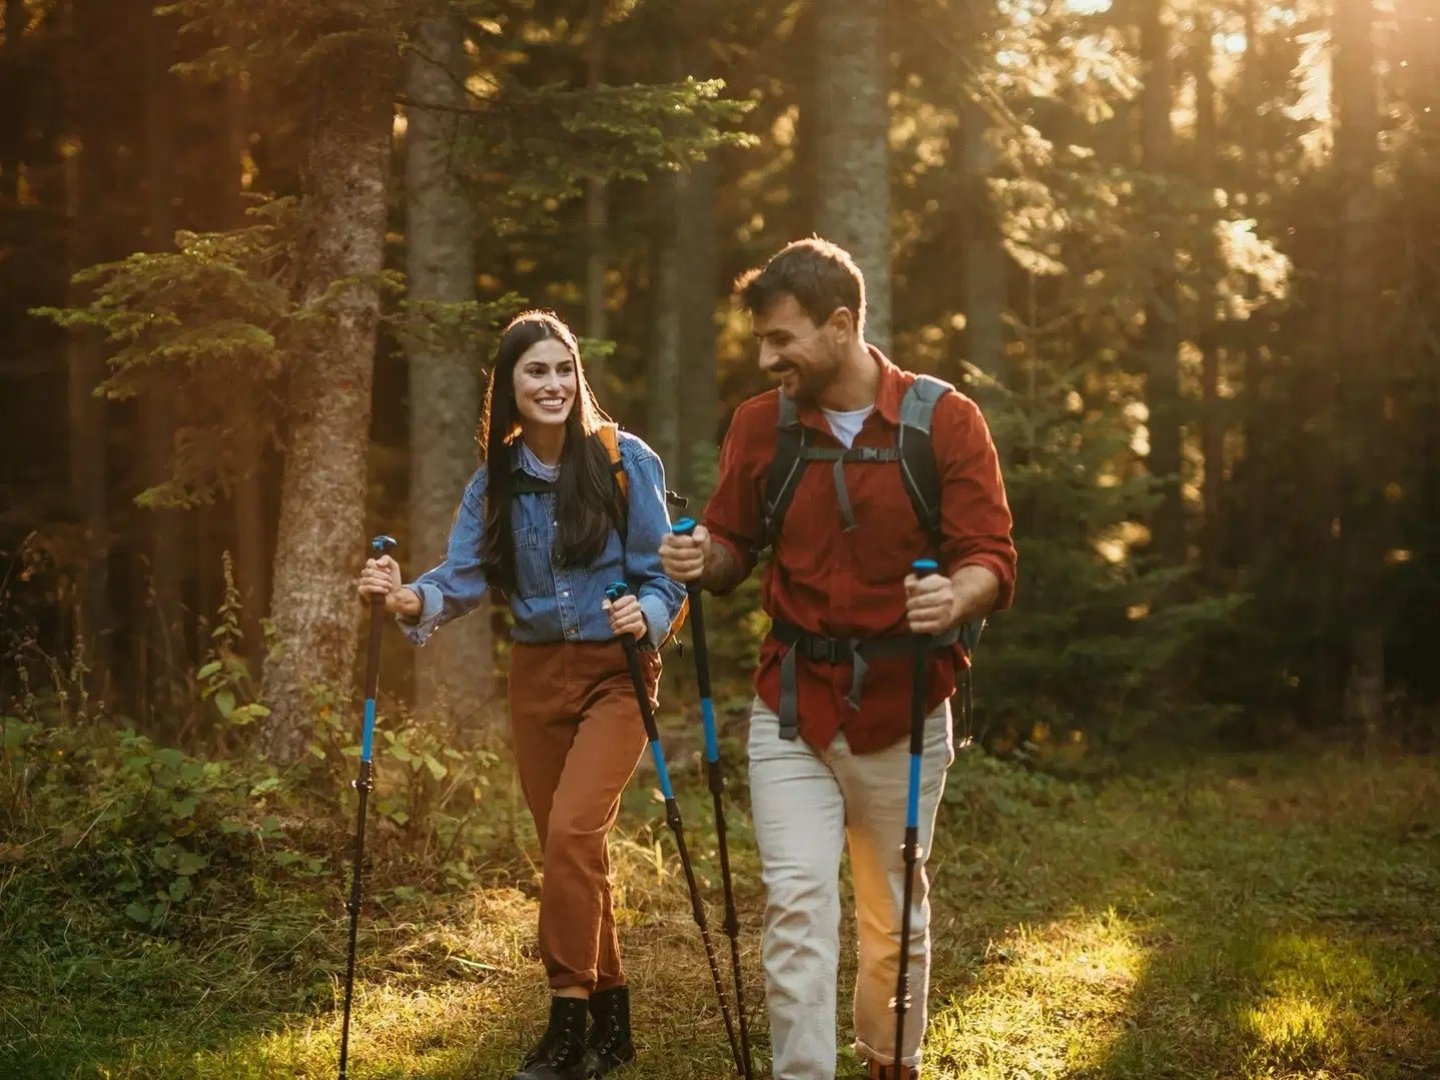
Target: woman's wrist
{"type": "Point", "coordinates": [406, 601]}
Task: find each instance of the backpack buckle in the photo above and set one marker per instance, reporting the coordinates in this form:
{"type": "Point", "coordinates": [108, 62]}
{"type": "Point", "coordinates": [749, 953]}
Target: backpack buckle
{"type": "Point", "coordinates": [827, 650]}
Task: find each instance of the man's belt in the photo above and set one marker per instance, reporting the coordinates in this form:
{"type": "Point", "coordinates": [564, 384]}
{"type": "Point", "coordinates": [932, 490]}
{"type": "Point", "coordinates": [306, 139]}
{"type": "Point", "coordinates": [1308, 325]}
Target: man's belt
{"type": "Point", "coordinates": [829, 650]}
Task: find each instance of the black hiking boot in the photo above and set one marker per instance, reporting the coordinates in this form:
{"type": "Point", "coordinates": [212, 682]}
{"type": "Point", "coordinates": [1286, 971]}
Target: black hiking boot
{"type": "Point", "coordinates": [608, 1045]}
{"type": "Point", "coordinates": [561, 1053]}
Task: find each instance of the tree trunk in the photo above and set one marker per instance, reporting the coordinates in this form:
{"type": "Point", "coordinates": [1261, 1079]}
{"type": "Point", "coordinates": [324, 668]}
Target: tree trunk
{"type": "Point", "coordinates": [1257, 467]}
{"type": "Point", "coordinates": [1160, 346]}
{"type": "Point", "coordinates": [454, 672]}
{"type": "Point", "coordinates": [983, 255]}
{"type": "Point", "coordinates": [1360, 358]}
{"type": "Point", "coordinates": [597, 323]}
{"type": "Point", "coordinates": [85, 367]}
{"type": "Point", "coordinates": [252, 511]}
{"type": "Point", "coordinates": [159, 634]}
{"type": "Point", "coordinates": [16, 19]}
{"type": "Point", "coordinates": [699, 404]}
{"type": "Point", "coordinates": [1212, 429]}
{"type": "Point", "coordinates": [11, 133]}
{"type": "Point", "coordinates": [322, 508]}
{"type": "Point", "coordinates": [852, 150]}
{"type": "Point", "coordinates": [662, 385]}
{"type": "Point", "coordinates": [698, 236]}
{"type": "Point", "coordinates": [94, 625]}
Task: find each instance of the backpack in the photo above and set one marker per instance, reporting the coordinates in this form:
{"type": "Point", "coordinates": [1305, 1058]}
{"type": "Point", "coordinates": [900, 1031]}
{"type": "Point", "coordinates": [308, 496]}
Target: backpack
{"type": "Point", "coordinates": [914, 453]}
{"type": "Point", "coordinates": [609, 436]}
{"type": "Point", "coordinates": [913, 450]}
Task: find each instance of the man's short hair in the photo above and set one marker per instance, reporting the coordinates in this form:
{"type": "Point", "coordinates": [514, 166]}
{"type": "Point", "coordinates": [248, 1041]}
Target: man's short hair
{"type": "Point", "coordinates": [820, 275]}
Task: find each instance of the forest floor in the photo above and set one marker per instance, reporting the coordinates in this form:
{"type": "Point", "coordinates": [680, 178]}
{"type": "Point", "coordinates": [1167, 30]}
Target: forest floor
{"type": "Point", "coordinates": [1231, 916]}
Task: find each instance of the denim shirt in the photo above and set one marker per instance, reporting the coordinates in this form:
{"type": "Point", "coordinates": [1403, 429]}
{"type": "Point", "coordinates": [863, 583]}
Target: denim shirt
{"type": "Point", "coordinates": [556, 603]}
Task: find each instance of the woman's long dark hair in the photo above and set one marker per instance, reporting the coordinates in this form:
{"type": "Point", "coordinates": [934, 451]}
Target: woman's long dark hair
{"type": "Point", "coordinates": [587, 499]}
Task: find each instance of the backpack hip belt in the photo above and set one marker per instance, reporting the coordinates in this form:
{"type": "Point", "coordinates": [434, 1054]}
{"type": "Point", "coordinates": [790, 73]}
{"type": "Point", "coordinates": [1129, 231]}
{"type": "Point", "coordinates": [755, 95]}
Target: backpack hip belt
{"type": "Point", "coordinates": [857, 652]}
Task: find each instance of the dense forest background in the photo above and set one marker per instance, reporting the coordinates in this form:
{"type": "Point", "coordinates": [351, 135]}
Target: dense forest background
{"type": "Point", "coordinates": [253, 255]}
{"type": "Point", "coordinates": [1183, 251]}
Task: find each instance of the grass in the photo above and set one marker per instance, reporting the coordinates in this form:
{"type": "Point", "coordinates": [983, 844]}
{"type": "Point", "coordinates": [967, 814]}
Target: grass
{"type": "Point", "coordinates": [1267, 917]}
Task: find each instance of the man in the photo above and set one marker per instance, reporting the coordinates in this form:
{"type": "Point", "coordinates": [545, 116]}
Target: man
{"type": "Point", "coordinates": [828, 747]}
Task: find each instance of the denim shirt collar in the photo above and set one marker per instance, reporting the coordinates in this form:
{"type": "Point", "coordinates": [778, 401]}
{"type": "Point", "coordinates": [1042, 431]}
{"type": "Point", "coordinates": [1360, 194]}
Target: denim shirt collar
{"type": "Point", "coordinates": [523, 459]}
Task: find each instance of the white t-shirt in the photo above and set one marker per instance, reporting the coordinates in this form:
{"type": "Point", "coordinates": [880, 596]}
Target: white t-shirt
{"type": "Point", "coordinates": [846, 425]}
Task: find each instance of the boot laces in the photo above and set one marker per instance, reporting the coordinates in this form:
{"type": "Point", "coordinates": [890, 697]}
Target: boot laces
{"type": "Point", "coordinates": [557, 1042]}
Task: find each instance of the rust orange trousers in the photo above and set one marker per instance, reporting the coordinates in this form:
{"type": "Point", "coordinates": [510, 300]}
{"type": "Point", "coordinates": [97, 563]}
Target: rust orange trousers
{"type": "Point", "coordinates": [578, 737]}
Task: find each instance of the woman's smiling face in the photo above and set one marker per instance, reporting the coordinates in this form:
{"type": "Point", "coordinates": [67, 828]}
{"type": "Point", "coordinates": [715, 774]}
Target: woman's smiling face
{"type": "Point", "coordinates": [545, 384]}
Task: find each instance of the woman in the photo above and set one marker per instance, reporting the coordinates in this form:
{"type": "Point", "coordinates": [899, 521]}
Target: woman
{"type": "Point", "coordinates": [544, 520]}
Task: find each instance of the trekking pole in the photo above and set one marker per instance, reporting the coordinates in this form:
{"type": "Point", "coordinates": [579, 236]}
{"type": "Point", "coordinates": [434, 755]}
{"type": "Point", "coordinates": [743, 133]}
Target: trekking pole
{"type": "Point", "coordinates": [381, 545]}
{"type": "Point", "coordinates": [614, 592]}
{"type": "Point", "coordinates": [921, 568]}
{"type": "Point", "coordinates": [684, 527]}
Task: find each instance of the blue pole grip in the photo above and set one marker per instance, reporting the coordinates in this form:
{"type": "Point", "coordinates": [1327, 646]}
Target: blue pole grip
{"type": "Point", "coordinates": [369, 736]}
{"type": "Point", "coordinates": [659, 755]}
{"type": "Point", "coordinates": [712, 744]}
{"type": "Point", "coordinates": [686, 527]}
{"type": "Point", "coordinates": [922, 567]}
{"type": "Point", "coordinates": [615, 590]}
{"type": "Point", "coordinates": [912, 805]}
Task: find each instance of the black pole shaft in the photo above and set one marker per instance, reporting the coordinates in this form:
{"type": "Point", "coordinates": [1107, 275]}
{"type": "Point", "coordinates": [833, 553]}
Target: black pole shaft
{"type": "Point", "coordinates": [919, 683]}
{"type": "Point", "coordinates": [363, 785]}
{"type": "Point", "coordinates": [672, 818]}
{"type": "Point", "coordinates": [716, 778]}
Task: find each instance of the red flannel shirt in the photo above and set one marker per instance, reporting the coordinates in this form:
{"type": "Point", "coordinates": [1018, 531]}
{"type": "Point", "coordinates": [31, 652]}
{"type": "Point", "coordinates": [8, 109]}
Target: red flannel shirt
{"type": "Point", "coordinates": [840, 584]}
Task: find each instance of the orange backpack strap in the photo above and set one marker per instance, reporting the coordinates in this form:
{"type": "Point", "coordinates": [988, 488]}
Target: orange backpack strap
{"type": "Point", "coordinates": [609, 435]}
{"type": "Point", "coordinates": [610, 439]}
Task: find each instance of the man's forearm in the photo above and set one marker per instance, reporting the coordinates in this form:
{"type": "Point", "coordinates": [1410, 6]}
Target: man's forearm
{"type": "Point", "coordinates": [722, 570]}
{"type": "Point", "coordinates": [976, 591]}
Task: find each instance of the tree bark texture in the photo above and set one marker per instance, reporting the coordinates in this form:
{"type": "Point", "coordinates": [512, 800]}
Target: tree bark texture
{"type": "Point", "coordinates": [1212, 430]}
{"type": "Point", "coordinates": [88, 416]}
{"type": "Point", "coordinates": [700, 288]}
{"type": "Point", "coordinates": [11, 123]}
{"type": "Point", "coordinates": [699, 391]}
{"type": "Point", "coordinates": [597, 323]}
{"type": "Point", "coordinates": [1257, 466]}
{"type": "Point", "coordinates": [252, 510]}
{"type": "Point", "coordinates": [453, 673]}
{"type": "Point", "coordinates": [1160, 345]}
{"type": "Point", "coordinates": [322, 509]}
{"type": "Point", "coordinates": [1361, 358]}
{"type": "Point", "coordinates": [662, 383]}
{"type": "Point", "coordinates": [852, 149]}
{"type": "Point", "coordinates": [159, 637]}
{"type": "Point", "coordinates": [983, 254]}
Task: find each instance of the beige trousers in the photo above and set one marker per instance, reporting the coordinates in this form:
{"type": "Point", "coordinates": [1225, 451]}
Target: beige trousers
{"type": "Point", "coordinates": [807, 806]}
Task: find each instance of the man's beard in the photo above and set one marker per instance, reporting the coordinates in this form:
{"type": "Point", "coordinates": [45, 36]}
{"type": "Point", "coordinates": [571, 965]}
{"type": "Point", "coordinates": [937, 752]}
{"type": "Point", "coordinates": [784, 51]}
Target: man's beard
{"type": "Point", "coordinates": [809, 385]}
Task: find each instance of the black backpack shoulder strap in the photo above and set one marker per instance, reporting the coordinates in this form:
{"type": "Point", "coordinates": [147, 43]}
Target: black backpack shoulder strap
{"type": "Point", "coordinates": [784, 470]}
{"type": "Point", "coordinates": [921, 474]}
{"type": "Point", "coordinates": [918, 467]}
{"type": "Point", "coordinates": [522, 483]}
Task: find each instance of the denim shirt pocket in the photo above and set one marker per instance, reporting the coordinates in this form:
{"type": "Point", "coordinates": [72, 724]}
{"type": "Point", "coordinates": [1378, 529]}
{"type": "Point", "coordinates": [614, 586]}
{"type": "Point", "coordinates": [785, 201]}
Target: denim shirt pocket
{"type": "Point", "coordinates": [533, 575]}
